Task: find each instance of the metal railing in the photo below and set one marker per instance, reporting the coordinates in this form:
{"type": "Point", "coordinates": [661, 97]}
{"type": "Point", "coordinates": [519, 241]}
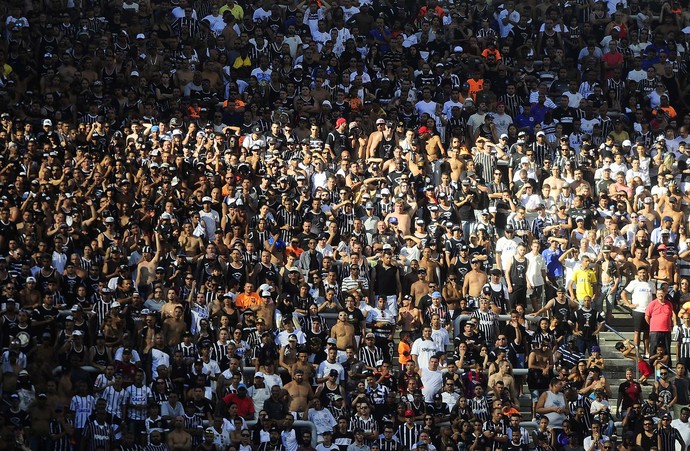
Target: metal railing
{"type": "Point", "coordinates": [637, 348]}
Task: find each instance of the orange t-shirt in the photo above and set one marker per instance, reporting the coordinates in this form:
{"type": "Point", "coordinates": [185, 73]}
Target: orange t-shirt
{"type": "Point", "coordinates": [402, 349]}
{"type": "Point", "coordinates": [245, 301]}
{"type": "Point", "coordinates": [475, 87]}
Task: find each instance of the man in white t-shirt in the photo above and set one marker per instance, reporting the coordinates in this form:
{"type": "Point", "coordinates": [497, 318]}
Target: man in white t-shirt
{"type": "Point", "coordinates": [432, 379]}
{"type": "Point", "coordinates": [536, 275]}
{"type": "Point", "coordinates": [506, 247]}
{"type": "Point", "coordinates": [424, 348]}
{"type": "Point", "coordinates": [637, 295]}
{"type": "Point", "coordinates": [682, 425]}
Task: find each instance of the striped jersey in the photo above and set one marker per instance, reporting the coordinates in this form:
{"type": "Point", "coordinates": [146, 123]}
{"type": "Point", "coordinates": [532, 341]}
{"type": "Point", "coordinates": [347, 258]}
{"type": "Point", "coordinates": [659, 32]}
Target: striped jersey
{"type": "Point", "coordinates": [369, 356]}
{"type": "Point", "coordinates": [82, 406]}
{"type": "Point", "coordinates": [114, 400]}
{"type": "Point", "coordinates": [407, 436]}
{"type": "Point", "coordinates": [488, 324]}
{"type": "Point", "coordinates": [98, 435]}
{"type": "Point", "coordinates": [137, 399]}
{"type": "Point", "coordinates": [368, 424]}
{"type": "Point", "coordinates": [62, 443]}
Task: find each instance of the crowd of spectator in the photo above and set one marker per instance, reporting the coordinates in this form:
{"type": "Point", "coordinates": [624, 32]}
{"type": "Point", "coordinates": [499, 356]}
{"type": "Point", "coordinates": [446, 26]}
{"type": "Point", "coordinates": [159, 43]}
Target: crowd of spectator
{"type": "Point", "coordinates": [397, 224]}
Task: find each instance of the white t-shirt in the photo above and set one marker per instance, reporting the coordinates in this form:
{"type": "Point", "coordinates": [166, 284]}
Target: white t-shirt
{"type": "Point", "coordinates": [507, 248]}
{"type": "Point", "coordinates": [424, 350]}
{"type": "Point", "coordinates": [535, 269]}
{"type": "Point", "coordinates": [432, 382]}
{"type": "Point", "coordinates": [642, 294]}
{"type": "Point", "coordinates": [684, 430]}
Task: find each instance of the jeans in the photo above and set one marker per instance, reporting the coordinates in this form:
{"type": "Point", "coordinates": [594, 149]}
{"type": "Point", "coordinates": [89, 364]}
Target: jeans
{"type": "Point", "coordinates": [608, 295]}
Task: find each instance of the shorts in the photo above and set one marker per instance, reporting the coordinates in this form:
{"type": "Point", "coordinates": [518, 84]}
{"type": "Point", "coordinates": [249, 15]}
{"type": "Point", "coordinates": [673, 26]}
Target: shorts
{"type": "Point", "coordinates": [535, 292]}
{"type": "Point", "coordinates": [639, 323]}
{"type": "Point", "coordinates": [645, 368]}
{"type": "Point", "coordinates": [535, 395]}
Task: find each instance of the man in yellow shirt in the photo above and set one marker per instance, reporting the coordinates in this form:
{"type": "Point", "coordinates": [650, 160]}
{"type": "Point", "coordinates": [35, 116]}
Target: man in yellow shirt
{"type": "Point", "coordinates": [584, 281]}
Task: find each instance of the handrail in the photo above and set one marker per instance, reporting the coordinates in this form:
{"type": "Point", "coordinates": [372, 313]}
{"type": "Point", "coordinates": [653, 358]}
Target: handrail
{"type": "Point", "coordinates": [637, 349]}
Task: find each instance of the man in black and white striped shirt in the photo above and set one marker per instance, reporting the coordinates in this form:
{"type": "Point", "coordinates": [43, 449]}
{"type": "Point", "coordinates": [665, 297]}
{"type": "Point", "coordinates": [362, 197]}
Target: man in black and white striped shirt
{"type": "Point", "coordinates": [408, 432]}
{"type": "Point", "coordinates": [98, 433]}
{"type": "Point", "coordinates": [363, 420]}
{"type": "Point", "coordinates": [137, 398]}
{"type": "Point", "coordinates": [114, 396]}
{"type": "Point", "coordinates": [81, 407]}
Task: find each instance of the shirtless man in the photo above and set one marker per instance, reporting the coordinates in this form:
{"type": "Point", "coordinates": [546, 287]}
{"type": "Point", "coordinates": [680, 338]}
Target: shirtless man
{"type": "Point", "coordinates": [541, 359]}
{"type": "Point", "coordinates": [671, 208]}
{"type": "Point", "coordinates": [172, 302]}
{"type": "Point", "coordinates": [174, 327]}
{"type": "Point", "coordinates": [610, 278]}
{"type": "Point", "coordinates": [475, 279]}
{"type": "Point", "coordinates": [452, 293]}
{"type": "Point", "coordinates": [664, 268]}
{"type": "Point", "coordinates": [29, 296]}
{"type": "Point", "coordinates": [41, 414]}
{"type": "Point", "coordinates": [178, 439]}
{"type": "Point", "coordinates": [343, 332]}
{"type": "Point", "coordinates": [266, 309]}
{"type": "Point", "coordinates": [403, 217]}
{"type": "Point", "coordinates": [457, 165]}
{"type": "Point", "coordinates": [433, 145]}
{"type": "Point", "coordinates": [639, 259]}
{"type": "Point", "coordinates": [302, 364]}
{"type": "Point", "coordinates": [300, 394]}
{"type": "Point", "coordinates": [146, 268]}
{"type": "Point", "coordinates": [192, 245]}
{"type": "Point", "coordinates": [420, 288]}
{"type": "Point", "coordinates": [650, 214]}
{"type": "Point", "coordinates": [555, 182]}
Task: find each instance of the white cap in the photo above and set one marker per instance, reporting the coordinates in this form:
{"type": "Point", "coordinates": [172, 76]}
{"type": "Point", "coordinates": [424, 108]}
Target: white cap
{"type": "Point", "coordinates": [141, 36]}
{"type": "Point", "coordinates": [114, 304]}
{"type": "Point", "coordinates": [385, 192]}
{"type": "Point", "coordinates": [627, 143]}
{"type": "Point", "coordinates": [206, 199]}
{"type": "Point", "coordinates": [265, 294]}
{"type": "Point", "coordinates": [524, 160]}
{"type": "Point", "coordinates": [541, 133]}
{"type": "Point", "coordinates": [109, 219]}
{"type": "Point", "coordinates": [458, 49]}
{"type": "Point", "coordinates": [166, 215]}
{"type": "Point", "coordinates": [134, 73]}
{"type": "Point", "coordinates": [77, 333]}
{"type": "Point", "coordinates": [176, 132]}
{"type": "Point", "coordinates": [47, 122]}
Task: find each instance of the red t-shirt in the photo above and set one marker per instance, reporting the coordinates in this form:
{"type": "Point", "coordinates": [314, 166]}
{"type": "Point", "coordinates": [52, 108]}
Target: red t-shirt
{"type": "Point", "coordinates": [245, 406]}
{"type": "Point", "coordinates": [660, 316]}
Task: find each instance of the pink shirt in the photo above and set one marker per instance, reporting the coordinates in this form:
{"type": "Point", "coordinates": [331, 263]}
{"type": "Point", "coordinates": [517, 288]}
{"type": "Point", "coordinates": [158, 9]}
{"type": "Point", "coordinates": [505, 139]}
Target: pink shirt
{"type": "Point", "coordinates": [660, 316]}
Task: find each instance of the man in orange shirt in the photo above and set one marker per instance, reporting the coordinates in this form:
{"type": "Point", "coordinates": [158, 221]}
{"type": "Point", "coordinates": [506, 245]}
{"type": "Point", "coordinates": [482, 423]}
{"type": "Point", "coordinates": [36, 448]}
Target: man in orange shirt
{"type": "Point", "coordinates": [248, 299]}
{"type": "Point", "coordinates": [404, 349]}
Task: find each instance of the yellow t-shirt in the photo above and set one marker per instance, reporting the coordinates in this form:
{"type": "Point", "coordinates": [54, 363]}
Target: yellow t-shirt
{"type": "Point", "coordinates": [585, 279]}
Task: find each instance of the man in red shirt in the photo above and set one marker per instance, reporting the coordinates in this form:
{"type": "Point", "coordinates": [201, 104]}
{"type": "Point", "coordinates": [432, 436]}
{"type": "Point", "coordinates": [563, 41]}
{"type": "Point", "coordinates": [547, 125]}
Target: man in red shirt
{"type": "Point", "coordinates": [661, 319]}
{"type": "Point", "coordinates": [245, 404]}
